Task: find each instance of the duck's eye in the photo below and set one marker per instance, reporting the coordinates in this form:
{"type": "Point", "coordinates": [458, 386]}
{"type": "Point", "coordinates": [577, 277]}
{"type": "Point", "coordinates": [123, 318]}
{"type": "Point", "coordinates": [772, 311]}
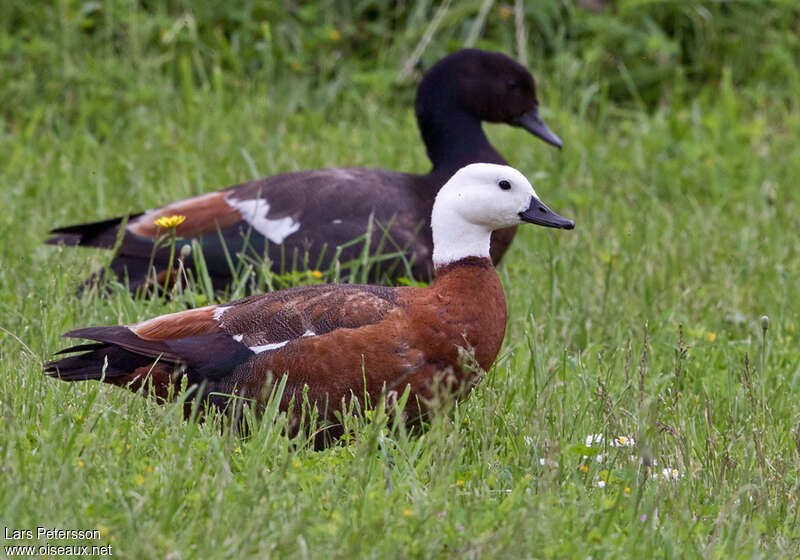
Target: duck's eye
{"type": "Point", "coordinates": [512, 83]}
{"type": "Point", "coordinates": [505, 185]}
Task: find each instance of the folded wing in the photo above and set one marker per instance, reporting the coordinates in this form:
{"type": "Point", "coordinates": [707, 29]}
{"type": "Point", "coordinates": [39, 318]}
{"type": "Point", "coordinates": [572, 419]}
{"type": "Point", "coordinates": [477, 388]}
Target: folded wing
{"type": "Point", "coordinates": [208, 345]}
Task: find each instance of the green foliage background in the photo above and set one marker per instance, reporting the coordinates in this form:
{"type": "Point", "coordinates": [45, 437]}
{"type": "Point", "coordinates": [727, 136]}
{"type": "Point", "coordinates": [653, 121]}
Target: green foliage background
{"type": "Point", "coordinates": [680, 122]}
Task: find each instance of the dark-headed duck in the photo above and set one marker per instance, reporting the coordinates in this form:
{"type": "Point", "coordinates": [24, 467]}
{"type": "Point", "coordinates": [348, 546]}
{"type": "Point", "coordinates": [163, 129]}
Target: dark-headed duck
{"type": "Point", "coordinates": [318, 211]}
{"type": "Point", "coordinates": [338, 340]}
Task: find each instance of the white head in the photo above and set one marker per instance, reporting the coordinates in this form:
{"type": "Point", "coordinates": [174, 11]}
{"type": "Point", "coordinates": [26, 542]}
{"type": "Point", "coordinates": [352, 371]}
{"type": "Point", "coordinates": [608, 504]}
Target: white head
{"type": "Point", "coordinates": [479, 199]}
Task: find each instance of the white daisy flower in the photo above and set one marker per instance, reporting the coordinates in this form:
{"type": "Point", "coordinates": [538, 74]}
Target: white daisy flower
{"type": "Point", "coordinates": [623, 441]}
{"type": "Point", "coordinates": [670, 474]}
{"type": "Point", "coordinates": [596, 439]}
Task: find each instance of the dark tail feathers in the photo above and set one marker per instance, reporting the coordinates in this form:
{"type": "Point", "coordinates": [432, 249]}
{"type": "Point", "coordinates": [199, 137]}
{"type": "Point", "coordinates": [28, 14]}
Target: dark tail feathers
{"type": "Point", "coordinates": [96, 234]}
{"type": "Point", "coordinates": [117, 352]}
{"type": "Point", "coordinates": [92, 364]}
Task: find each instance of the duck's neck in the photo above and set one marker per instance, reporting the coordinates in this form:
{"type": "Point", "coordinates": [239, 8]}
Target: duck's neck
{"type": "Point", "coordinates": [454, 139]}
{"type": "Point", "coordinates": [457, 240]}
{"type": "Point", "coordinates": [467, 264]}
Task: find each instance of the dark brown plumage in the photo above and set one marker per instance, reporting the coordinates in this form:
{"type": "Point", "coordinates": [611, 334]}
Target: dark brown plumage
{"type": "Point", "coordinates": [318, 211]}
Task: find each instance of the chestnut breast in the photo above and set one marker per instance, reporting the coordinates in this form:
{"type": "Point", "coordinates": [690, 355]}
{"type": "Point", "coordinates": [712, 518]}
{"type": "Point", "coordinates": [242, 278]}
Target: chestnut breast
{"type": "Point", "coordinates": [415, 344]}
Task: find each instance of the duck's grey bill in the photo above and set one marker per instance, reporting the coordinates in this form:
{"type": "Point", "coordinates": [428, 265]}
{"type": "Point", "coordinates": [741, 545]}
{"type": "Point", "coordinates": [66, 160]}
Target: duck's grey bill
{"type": "Point", "coordinates": [539, 214]}
{"type": "Point", "coordinates": [533, 123]}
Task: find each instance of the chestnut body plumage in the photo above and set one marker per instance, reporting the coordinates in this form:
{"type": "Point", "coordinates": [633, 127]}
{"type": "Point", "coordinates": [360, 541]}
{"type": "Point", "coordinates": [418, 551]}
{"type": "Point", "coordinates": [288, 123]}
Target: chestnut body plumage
{"type": "Point", "coordinates": [339, 341]}
{"type": "Point", "coordinates": [315, 212]}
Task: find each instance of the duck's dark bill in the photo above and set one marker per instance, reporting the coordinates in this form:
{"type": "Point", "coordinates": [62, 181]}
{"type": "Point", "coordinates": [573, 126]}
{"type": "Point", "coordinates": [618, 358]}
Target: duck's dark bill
{"type": "Point", "coordinates": [533, 123]}
{"type": "Point", "coordinates": [539, 214]}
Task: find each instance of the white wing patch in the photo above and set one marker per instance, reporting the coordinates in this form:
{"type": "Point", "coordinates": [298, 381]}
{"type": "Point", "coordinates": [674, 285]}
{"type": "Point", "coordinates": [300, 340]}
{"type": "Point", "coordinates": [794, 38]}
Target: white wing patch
{"type": "Point", "coordinates": [218, 313]}
{"type": "Point", "coordinates": [255, 212]}
{"type": "Point", "coordinates": [274, 345]}
{"type": "Point", "coordinates": [265, 347]}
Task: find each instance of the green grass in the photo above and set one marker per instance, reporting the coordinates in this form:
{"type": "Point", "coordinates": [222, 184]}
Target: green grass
{"type": "Point", "coordinates": [687, 219]}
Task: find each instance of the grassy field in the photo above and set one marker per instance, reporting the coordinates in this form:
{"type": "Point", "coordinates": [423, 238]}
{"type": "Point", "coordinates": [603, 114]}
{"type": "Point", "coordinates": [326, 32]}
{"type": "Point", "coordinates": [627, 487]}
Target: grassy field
{"type": "Point", "coordinates": [644, 323]}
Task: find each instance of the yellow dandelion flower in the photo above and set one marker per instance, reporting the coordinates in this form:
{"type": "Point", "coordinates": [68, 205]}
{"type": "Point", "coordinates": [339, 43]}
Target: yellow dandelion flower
{"type": "Point", "coordinates": [168, 222]}
{"type": "Point", "coordinates": [103, 531]}
{"type": "Point", "coordinates": [80, 463]}
{"type": "Point", "coordinates": [584, 468]}
{"type": "Point", "coordinates": [316, 274]}
{"type": "Point", "coordinates": [334, 35]}
{"type": "Point", "coordinates": [127, 446]}
{"type": "Point", "coordinates": [149, 469]}
{"type": "Point", "coordinates": [140, 480]}
{"type": "Point", "coordinates": [459, 482]}
{"type": "Point", "coordinates": [711, 336]}
{"type": "Point", "coordinates": [627, 490]}
{"type": "Point", "coordinates": [296, 464]}
{"type": "Point", "coordinates": [406, 513]}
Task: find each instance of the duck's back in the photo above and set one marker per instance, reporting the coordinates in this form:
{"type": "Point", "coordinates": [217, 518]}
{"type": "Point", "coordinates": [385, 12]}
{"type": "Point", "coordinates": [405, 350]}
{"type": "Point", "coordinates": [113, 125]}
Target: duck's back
{"type": "Point", "coordinates": [297, 220]}
{"type": "Point", "coordinates": [330, 211]}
